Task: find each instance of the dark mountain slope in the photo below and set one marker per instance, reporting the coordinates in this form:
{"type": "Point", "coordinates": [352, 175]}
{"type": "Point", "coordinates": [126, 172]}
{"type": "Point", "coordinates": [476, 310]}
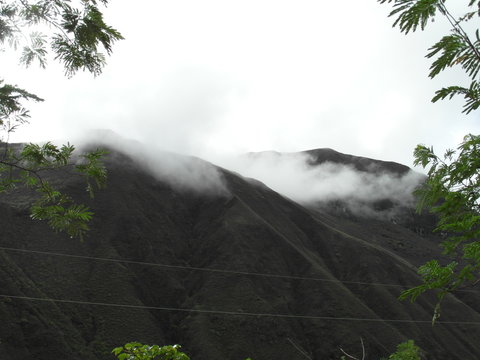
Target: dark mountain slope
{"type": "Point", "coordinates": [319, 156]}
{"type": "Point", "coordinates": [251, 229]}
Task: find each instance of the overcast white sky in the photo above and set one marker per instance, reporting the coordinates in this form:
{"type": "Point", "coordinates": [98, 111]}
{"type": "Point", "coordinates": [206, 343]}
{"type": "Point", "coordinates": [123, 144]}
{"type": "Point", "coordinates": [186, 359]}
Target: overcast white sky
{"type": "Point", "coordinates": [216, 77]}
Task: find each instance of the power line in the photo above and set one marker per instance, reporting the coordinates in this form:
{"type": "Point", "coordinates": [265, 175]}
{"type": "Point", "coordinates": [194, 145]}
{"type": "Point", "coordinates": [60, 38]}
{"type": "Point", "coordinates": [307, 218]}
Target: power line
{"type": "Point", "coordinates": [236, 313]}
{"type": "Point", "coordinates": [180, 267]}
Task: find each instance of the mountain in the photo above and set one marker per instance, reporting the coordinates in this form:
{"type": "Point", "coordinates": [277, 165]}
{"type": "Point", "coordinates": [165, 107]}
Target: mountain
{"type": "Point", "coordinates": [224, 266]}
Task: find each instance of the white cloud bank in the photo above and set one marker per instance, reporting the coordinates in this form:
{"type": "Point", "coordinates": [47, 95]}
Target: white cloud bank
{"type": "Point", "coordinates": [293, 176]}
{"type": "Point", "coordinates": [185, 173]}
{"type": "Point", "coordinates": [216, 76]}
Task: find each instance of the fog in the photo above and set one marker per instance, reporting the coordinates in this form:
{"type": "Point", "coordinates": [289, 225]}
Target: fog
{"type": "Point", "coordinates": [184, 173]}
{"type": "Point", "coordinates": [194, 78]}
{"type": "Point", "coordinates": [293, 175]}
{"type": "Point", "coordinates": [290, 174]}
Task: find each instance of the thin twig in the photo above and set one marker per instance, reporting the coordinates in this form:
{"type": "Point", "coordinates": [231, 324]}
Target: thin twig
{"type": "Point", "coordinates": [347, 354]}
{"type": "Point", "coordinates": [299, 349]}
{"type": "Point", "coordinates": [363, 349]}
{"type": "Point", "coordinates": [353, 357]}
{"type": "Point", "coordinates": [33, 172]}
{"type": "Point", "coordinates": [459, 30]}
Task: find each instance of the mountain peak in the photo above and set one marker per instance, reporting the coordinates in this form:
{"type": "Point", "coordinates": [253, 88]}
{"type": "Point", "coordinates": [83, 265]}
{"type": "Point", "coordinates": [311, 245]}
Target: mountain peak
{"type": "Point", "coordinates": [360, 163]}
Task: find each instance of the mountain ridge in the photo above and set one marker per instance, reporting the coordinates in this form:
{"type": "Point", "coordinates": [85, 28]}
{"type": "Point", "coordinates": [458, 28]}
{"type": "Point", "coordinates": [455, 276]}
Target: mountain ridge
{"type": "Point", "coordinates": [250, 229]}
{"type": "Point", "coordinates": [322, 155]}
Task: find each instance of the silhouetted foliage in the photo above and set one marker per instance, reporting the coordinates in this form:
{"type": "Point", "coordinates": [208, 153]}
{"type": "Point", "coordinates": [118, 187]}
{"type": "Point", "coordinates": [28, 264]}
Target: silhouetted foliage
{"type": "Point", "coordinates": [78, 37]}
{"type": "Point", "coordinates": [453, 186]}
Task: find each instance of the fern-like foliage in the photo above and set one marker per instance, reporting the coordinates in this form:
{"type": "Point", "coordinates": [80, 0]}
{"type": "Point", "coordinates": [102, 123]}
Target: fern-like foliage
{"type": "Point", "coordinates": [35, 50]}
{"type": "Point", "coordinates": [452, 191]}
{"type": "Point", "coordinates": [471, 95]}
{"type": "Point", "coordinates": [406, 351]}
{"type": "Point", "coordinates": [52, 205]}
{"type": "Point", "coordinates": [412, 14]}
{"type": "Point", "coordinates": [138, 351]}
{"type": "Point", "coordinates": [456, 49]}
{"type": "Point", "coordinates": [12, 111]}
{"type": "Point", "coordinates": [80, 39]}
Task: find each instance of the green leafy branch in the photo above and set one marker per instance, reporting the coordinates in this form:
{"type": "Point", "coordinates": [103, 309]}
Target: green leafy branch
{"type": "Point", "coordinates": [452, 191]}
{"type": "Point", "coordinates": [413, 13]}
{"type": "Point", "coordinates": [80, 32]}
{"type": "Point", "coordinates": [471, 95]}
{"type": "Point", "coordinates": [406, 351]}
{"type": "Point", "coordinates": [60, 211]}
{"type": "Point", "coordinates": [456, 49]}
{"type": "Point", "coordinates": [137, 351]}
{"type": "Point", "coordinates": [79, 38]}
{"type": "Point", "coordinates": [12, 112]}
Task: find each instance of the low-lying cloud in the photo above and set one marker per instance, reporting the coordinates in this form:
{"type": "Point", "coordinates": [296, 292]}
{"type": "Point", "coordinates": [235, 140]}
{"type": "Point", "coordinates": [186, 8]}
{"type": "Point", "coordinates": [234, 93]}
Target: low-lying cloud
{"type": "Point", "coordinates": [180, 171]}
{"type": "Point", "coordinates": [294, 176]}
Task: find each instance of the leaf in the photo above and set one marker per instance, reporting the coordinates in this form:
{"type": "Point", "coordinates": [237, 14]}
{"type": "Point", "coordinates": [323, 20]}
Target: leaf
{"type": "Point", "coordinates": [412, 14]}
{"type": "Point", "coordinates": [452, 49]}
{"type": "Point", "coordinates": [89, 30]}
{"type": "Point", "coordinates": [471, 95]}
{"type": "Point", "coordinates": [117, 350]}
{"type": "Point", "coordinates": [471, 251]}
{"type": "Point", "coordinates": [138, 351]}
{"type": "Point", "coordinates": [424, 156]}
{"type": "Point", "coordinates": [406, 351]}
{"type": "Point", "coordinates": [10, 97]}
{"type": "Point", "coordinates": [35, 51]}
{"type": "Point", "coordinates": [79, 38]}
{"type": "Point", "coordinates": [91, 166]}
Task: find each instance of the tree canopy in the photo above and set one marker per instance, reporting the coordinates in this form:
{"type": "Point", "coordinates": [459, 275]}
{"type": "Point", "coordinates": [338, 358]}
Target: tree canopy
{"type": "Point", "coordinates": [455, 49]}
{"type": "Point", "coordinates": [76, 34]}
{"type": "Point", "coordinates": [138, 351]}
{"type": "Point", "coordinates": [452, 190]}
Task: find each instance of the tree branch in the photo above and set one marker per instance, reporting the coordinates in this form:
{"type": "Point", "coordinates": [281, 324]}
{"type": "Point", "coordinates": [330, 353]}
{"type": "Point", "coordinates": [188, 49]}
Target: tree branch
{"type": "Point", "coordinates": [459, 29]}
{"type": "Point", "coordinates": [353, 357]}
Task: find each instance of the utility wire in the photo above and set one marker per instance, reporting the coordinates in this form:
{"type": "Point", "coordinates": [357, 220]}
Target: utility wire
{"type": "Point", "coordinates": [180, 267]}
{"type": "Point", "coordinates": [237, 313]}
{"type": "Point", "coordinates": [216, 311]}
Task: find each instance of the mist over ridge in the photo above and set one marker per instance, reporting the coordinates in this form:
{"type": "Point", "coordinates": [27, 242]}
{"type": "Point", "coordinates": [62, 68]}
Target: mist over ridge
{"type": "Point", "coordinates": [302, 178]}
{"type": "Point", "coordinates": [310, 177]}
{"type": "Point", "coordinates": [180, 171]}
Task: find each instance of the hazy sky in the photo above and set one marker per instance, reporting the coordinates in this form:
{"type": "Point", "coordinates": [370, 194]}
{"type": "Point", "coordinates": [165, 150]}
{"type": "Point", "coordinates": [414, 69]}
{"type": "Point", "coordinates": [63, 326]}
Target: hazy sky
{"type": "Point", "coordinates": [215, 77]}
